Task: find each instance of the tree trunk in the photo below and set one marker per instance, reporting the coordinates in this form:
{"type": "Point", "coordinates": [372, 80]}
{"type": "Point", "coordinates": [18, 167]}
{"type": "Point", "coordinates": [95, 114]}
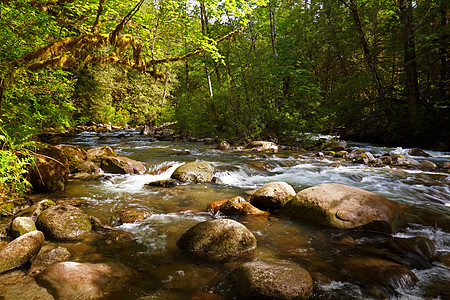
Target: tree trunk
{"type": "Point", "coordinates": [273, 31]}
{"type": "Point", "coordinates": [443, 53]}
{"type": "Point", "coordinates": [204, 21]}
{"type": "Point", "coordinates": [412, 83]}
{"type": "Point", "coordinates": [2, 83]}
{"type": "Point", "coordinates": [367, 55]}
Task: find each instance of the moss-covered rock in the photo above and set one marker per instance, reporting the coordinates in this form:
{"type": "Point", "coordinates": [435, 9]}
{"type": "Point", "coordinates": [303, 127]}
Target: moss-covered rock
{"type": "Point", "coordinates": [99, 153]}
{"type": "Point", "coordinates": [218, 240]}
{"type": "Point", "coordinates": [344, 207]}
{"type": "Point", "coordinates": [272, 280]}
{"type": "Point", "coordinates": [50, 171]}
{"type": "Point", "coordinates": [13, 206]}
{"type": "Point", "coordinates": [21, 226]}
{"type": "Point", "coordinates": [197, 171]}
{"type": "Point", "coordinates": [20, 250]}
{"type": "Point", "coordinates": [272, 195]}
{"type": "Point", "coordinates": [64, 222]}
{"type": "Point", "coordinates": [121, 165]}
{"type": "Point", "coordinates": [74, 154]}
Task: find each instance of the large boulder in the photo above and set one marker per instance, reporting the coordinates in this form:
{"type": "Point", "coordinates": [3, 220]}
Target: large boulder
{"type": "Point", "coordinates": [122, 165]}
{"type": "Point", "coordinates": [73, 280]}
{"type": "Point", "coordinates": [197, 171]}
{"type": "Point", "coordinates": [218, 240]}
{"type": "Point", "coordinates": [74, 154]}
{"type": "Point", "coordinates": [236, 206]}
{"type": "Point", "coordinates": [20, 250]}
{"type": "Point", "coordinates": [99, 153]}
{"type": "Point", "coordinates": [50, 172]}
{"type": "Point", "coordinates": [262, 146]}
{"type": "Point", "coordinates": [272, 195]}
{"type": "Point", "coordinates": [64, 222]}
{"type": "Point", "coordinates": [272, 280]}
{"type": "Point", "coordinates": [344, 207]}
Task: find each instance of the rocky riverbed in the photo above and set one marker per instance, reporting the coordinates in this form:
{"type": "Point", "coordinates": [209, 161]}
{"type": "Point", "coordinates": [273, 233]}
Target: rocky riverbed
{"type": "Point", "coordinates": [141, 215]}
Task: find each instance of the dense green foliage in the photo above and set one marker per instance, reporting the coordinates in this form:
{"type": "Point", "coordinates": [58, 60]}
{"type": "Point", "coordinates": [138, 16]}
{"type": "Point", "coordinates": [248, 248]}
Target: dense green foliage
{"type": "Point", "coordinates": [14, 160]}
{"type": "Point", "coordinates": [373, 70]}
{"type": "Point", "coordinates": [321, 78]}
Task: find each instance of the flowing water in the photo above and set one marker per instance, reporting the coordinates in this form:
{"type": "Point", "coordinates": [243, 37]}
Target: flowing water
{"type": "Point", "coordinates": [165, 273]}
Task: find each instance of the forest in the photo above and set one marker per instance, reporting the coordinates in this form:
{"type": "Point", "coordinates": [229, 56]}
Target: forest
{"type": "Point", "coordinates": [236, 70]}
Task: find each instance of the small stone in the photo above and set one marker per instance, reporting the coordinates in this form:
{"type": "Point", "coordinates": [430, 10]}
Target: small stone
{"type": "Point", "coordinates": [22, 225]}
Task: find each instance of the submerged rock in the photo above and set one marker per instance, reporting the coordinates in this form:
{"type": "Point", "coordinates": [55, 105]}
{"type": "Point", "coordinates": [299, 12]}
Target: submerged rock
{"type": "Point", "coordinates": [272, 280]}
{"type": "Point", "coordinates": [134, 215]}
{"type": "Point", "coordinates": [344, 207]}
{"type": "Point", "coordinates": [236, 206]}
{"type": "Point", "coordinates": [272, 195]}
{"type": "Point", "coordinates": [218, 240]}
{"type": "Point", "coordinates": [20, 250]}
{"type": "Point", "coordinates": [122, 165]}
{"type": "Point", "coordinates": [73, 280]}
{"type": "Point", "coordinates": [381, 277]}
{"type": "Point", "coordinates": [16, 285]}
{"type": "Point", "coordinates": [64, 222]}
{"type": "Point", "coordinates": [197, 171]}
{"type": "Point", "coordinates": [45, 259]}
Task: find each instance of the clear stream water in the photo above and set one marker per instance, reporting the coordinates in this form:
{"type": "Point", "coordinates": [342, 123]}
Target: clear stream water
{"type": "Point", "coordinates": [164, 273]}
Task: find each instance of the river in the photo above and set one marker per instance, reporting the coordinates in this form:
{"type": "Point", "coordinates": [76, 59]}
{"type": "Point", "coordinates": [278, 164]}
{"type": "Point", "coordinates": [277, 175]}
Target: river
{"type": "Point", "coordinates": [164, 273]}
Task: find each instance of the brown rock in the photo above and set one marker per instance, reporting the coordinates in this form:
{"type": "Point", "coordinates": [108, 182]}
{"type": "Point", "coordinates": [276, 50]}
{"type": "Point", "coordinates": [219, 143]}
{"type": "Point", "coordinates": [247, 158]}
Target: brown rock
{"type": "Point", "coordinates": [20, 250]}
{"type": "Point", "coordinates": [122, 165]}
{"type": "Point", "coordinates": [272, 195]}
{"type": "Point", "coordinates": [64, 222]}
{"type": "Point", "coordinates": [272, 280]}
{"type": "Point", "coordinates": [99, 153]}
{"type": "Point", "coordinates": [50, 171]}
{"type": "Point", "coordinates": [134, 215]}
{"type": "Point", "coordinates": [236, 206]}
{"type": "Point", "coordinates": [344, 207]}
{"type": "Point", "coordinates": [73, 280]}
{"type": "Point", "coordinates": [218, 240]}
